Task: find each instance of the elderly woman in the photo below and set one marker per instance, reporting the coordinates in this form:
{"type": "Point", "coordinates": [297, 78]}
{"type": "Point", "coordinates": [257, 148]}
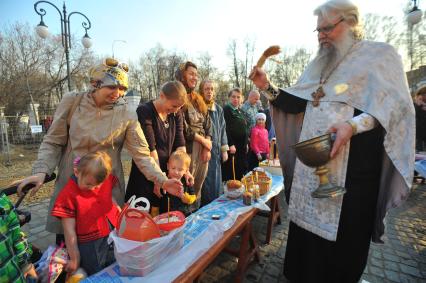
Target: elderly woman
{"type": "Point", "coordinates": [94, 120]}
{"type": "Point", "coordinates": [237, 133]}
{"type": "Point", "coordinates": [198, 129]}
{"type": "Point", "coordinates": [162, 123]}
{"type": "Point", "coordinates": [219, 152]}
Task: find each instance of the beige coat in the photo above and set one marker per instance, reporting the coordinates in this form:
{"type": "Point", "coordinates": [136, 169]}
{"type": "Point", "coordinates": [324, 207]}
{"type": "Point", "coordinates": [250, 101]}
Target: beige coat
{"type": "Point", "coordinates": [92, 128]}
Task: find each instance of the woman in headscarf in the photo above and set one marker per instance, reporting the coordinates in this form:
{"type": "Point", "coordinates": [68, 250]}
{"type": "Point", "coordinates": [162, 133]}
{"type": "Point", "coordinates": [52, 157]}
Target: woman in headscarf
{"type": "Point", "coordinates": [198, 130]}
{"type": "Point", "coordinates": [95, 120]}
{"type": "Point", "coordinates": [219, 153]}
{"type": "Point", "coordinates": [162, 124]}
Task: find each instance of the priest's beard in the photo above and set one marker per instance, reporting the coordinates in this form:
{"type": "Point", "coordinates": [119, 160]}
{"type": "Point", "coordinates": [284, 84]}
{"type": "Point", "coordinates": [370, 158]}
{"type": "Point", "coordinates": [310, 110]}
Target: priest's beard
{"type": "Point", "coordinates": [329, 56]}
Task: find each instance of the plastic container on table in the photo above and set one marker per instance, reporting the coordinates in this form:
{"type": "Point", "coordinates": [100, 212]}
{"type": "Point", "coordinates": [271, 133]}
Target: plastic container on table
{"type": "Point", "coordinates": [169, 221]}
{"type": "Point", "coordinates": [233, 193]}
{"type": "Point", "coordinates": [135, 223]}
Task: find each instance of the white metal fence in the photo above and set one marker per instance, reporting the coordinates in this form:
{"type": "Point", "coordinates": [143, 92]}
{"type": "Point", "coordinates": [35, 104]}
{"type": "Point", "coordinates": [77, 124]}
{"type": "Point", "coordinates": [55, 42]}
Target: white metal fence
{"type": "Point", "coordinates": [19, 140]}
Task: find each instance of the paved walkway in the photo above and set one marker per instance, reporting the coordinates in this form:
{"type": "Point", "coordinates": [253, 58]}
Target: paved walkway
{"type": "Point", "coordinates": [401, 259]}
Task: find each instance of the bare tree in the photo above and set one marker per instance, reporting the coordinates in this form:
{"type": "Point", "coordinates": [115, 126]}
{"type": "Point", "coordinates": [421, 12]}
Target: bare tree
{"type": "Point", "coordinates": [22, 56]}
{"type": "Point", "coordinates": [291, 67]}
{"type": "Point", "coordinates": [371, 24]}
{"type": "Point", "coordinates": [417, 48]}
{"type": "Point", "coordinates": [223, 87]}
{"type": "Point", "coordinates": [153, 69]}
{"type": "Point", "coordinates": [248, 63]}
{"type": "Point", "coordinates": [33, 70]}
{"type": "Point", "coordinates": [399, 33]}
{"type": "Point", "coordinates": [390, 31]}
{"type": "Point", "coordinates": [205, 67]}
{"type": "Point", "coordinates": [232, 51]}
{"type": "Point", "coordinates": [241, 66]}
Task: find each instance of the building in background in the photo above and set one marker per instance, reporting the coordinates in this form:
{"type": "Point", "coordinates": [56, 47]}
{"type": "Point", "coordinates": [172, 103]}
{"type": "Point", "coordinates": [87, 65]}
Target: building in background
{"type": "Point", "coordinates": [416, 76]}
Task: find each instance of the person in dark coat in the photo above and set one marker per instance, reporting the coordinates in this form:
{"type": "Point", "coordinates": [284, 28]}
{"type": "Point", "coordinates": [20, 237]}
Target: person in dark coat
{"type": "Point", "coordinates": [237, 133]}
{"type": "Point", "coordinates": [420, 107]}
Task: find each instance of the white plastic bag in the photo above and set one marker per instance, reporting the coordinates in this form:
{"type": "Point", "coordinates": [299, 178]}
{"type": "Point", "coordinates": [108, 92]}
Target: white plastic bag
{"type": "Point", "coordinates": [140, 258]}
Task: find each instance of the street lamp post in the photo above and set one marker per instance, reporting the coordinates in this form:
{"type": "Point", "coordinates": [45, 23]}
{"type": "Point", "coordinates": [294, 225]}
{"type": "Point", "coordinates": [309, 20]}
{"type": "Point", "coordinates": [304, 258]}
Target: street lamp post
{"type": "Point", "coordinates": [112, 47]}
{"type": "Point", "coordinates": [43, 31]}
{"type": "Point", "coordinates": [413, 18]}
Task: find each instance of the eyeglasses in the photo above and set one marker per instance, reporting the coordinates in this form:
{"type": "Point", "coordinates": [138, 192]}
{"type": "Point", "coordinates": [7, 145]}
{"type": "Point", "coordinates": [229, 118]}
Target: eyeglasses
{"type": "Point", "coordinates": [114, 63]}
{"type": "Point", "coordinates": [329, 28]}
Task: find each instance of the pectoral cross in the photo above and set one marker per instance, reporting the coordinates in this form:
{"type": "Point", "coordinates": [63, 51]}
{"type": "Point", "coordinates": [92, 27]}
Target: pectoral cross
{"type": "Point", "coordinates": [317, 95]}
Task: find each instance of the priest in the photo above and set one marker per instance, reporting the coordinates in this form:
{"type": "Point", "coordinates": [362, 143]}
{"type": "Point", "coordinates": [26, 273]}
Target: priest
{"type": "Point", "coordinates": [356, 89]}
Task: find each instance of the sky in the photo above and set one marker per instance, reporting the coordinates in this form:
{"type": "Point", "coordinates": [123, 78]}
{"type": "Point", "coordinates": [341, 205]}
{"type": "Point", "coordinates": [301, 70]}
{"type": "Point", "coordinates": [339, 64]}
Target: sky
{"type": "Point", "coordinates": [189, 26]}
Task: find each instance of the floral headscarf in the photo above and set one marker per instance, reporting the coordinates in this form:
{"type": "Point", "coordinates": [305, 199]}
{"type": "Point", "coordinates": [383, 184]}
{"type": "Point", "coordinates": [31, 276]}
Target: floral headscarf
{"type": "Point", "coordinates": [106, 75]}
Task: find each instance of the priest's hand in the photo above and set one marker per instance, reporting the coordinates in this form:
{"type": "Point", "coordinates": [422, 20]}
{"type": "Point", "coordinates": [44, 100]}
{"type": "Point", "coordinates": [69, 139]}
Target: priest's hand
{"type": "Point", "coordinates": [259, 78]}
{"type": "Point", "coordinates": [232, 149]}
{"type": "Point", "coordinates": [343, 135]}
